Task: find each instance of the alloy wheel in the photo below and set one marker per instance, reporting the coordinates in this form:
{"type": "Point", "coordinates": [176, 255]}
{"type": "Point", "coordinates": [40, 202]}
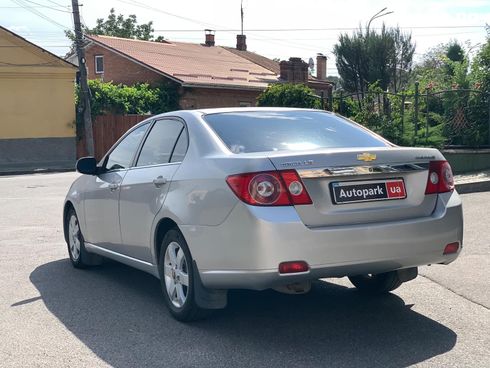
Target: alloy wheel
{"type": "Point", "coordinates": [176, 274]}
{"type": "Point", "coordinates": [74, 237]}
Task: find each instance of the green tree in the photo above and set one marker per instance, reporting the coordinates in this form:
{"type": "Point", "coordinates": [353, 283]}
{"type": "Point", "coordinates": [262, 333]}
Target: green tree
{"type": "Point", "coordinates": [480, 102]}
{"type": "Point", "coordinates": [119, 26]}
{"type": "Point", "coordinates": [455, 51]}
{"type": "Point", "coordinates": [289, 95]}
{"type": "Point", "coordinates": [367, 57]}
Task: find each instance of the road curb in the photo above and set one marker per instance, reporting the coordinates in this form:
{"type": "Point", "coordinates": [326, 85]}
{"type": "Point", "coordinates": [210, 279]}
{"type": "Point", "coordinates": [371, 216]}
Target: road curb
{"type": "Point", "coordinates": [36, 171]}
{"type": "Point", "coordinates": [473, 187]}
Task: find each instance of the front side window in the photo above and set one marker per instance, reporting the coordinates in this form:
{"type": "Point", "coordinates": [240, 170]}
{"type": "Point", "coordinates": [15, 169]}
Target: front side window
{"type": "Point", "coordinates": [160, 143]}
{"type": "Point", "coordinates": [122, 156]}
{"type": "Point", "coordinates": [294, 130]}
{"type": "Point", "coordinates": [99, 64]}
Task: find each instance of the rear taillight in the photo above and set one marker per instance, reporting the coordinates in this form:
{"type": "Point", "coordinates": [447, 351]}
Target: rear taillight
{"type": "Point", "coordinates": [440, 178]}
{"type": "Point", "coordinates": [269, 188]}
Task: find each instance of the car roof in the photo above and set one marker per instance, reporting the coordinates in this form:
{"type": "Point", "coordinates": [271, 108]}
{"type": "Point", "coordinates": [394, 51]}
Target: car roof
{"type": "Point", "coordinates": [223, 110]}
{"type": "Point", "coordinates": [250, 109]}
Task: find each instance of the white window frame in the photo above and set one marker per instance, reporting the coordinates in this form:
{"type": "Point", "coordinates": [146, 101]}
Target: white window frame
{"type": "Point", "coordinates": [97, 71]}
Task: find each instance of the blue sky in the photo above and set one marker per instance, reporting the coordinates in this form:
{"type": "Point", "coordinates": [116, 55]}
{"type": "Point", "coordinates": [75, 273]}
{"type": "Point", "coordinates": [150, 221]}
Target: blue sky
{"type": "Point", "coordinates": [430, 21]}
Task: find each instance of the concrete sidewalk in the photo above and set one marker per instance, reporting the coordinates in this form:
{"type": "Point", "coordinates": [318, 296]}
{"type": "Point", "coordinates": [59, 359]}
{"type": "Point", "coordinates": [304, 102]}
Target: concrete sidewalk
{"type": "Point", "coordinates": [473, 182]}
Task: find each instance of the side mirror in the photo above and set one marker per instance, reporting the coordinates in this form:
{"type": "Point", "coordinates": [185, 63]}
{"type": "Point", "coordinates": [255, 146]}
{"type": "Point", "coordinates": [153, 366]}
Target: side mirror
{"type": "Point", "coordinates": [87, 165]}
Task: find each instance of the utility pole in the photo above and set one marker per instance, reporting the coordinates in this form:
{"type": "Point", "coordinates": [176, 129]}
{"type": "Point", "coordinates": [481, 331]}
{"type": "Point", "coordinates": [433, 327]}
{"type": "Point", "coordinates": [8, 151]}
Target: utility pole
{"type": "Point", "coordinates": [84, 103]}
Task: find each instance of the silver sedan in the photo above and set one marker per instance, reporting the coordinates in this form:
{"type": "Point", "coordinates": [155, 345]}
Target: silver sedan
{"type": "Point", "coordinates": [259, 198]}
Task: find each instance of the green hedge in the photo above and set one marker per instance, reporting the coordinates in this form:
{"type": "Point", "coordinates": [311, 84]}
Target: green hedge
{"type": "Point", "coordinates": [107, 97]}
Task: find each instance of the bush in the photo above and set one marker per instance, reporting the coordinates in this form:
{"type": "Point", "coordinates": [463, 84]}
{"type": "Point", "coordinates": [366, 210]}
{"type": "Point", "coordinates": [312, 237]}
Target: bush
{"type": "Point", "coordinates": [107, 97]}
{"type": "Point", "coordinates": [289, 95]}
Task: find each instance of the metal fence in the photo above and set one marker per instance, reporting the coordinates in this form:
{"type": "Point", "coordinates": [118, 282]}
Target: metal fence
{"type": "Point", "coordinates": [454, 118]}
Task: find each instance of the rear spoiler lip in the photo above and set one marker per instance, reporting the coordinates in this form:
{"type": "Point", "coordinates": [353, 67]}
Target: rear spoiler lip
{"type": "Point", "coordinates": [362, 170]}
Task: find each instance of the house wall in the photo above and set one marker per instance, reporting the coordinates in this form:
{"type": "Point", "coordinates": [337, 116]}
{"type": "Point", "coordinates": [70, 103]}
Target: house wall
{"type": "Point", "coordinates": [122, 70]}
{"type": "Point", "coordinates": [37, 108]}
{"type": "Point", "coordinates": [199, 98]}
{"type": "Point", "coordinates": [118, 68]}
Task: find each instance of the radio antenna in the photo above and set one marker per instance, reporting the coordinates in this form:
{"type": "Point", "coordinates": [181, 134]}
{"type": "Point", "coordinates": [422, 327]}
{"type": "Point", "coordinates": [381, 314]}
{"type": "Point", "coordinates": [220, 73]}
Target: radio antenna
{"type": "Point", "coordinates": [241, 12]}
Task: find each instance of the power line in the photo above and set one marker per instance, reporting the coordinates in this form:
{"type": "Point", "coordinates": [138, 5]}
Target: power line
{"type": "Point", "coordinates": [148, 7]}
{"type": "Point", "coordinates": [39, 14]}
{"type": "Point", "coordinates": [314, 29]}
{"type": "Point", "coordinates": [47, 6]}
{"type": "Point", "coordinates": [256, 38]}
{"type": "Point", "coordinates": [55, 3]}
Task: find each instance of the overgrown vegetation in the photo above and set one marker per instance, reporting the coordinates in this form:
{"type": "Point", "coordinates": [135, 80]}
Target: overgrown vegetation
{"type": "Point", "coordinates": [453, 100]}
{"type": "Point", "coordinates": [288, 95]}
{"type": "Point", "coordinates": [366, 57]}
{"type": "Point", "coordinates": [107, 97]}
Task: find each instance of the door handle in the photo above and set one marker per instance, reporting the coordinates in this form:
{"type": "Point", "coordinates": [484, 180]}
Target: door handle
{"type": "Point", "coordinates": [159, 181]}
{"type": "Point", "coordinates": [113, 186]}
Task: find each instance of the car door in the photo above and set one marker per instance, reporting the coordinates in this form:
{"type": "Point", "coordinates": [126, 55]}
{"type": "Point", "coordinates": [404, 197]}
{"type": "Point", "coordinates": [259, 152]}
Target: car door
{"type": "Point", "coordinates": [145, 185]}
{"type": "Point", "coordinates": [101, 197]}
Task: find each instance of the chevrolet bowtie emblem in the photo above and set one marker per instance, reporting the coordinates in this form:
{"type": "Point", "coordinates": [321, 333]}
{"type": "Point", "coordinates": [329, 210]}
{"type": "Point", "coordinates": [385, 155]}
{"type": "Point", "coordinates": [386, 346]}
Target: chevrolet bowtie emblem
{"type": "Point", "coordinates": [366, 157]}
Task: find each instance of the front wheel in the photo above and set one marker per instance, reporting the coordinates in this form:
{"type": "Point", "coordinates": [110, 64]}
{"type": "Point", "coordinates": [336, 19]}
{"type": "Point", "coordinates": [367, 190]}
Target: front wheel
{"type": "Point", "coordinates": [79, 257]}
{"type": "Point", "coordinates": [376, 284]}
{"type": "Point", "coordinates": [176, 278]}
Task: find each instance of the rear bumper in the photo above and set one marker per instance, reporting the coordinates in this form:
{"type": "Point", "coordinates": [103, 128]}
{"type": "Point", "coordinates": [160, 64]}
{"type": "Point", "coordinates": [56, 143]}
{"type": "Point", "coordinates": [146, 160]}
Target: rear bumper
{"type": "Point", "coordinates": [246, 249]}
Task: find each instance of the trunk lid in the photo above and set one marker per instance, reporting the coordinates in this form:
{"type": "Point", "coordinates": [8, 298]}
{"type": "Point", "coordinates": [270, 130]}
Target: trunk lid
{"type": "Point", "coordinates": [326, 172]}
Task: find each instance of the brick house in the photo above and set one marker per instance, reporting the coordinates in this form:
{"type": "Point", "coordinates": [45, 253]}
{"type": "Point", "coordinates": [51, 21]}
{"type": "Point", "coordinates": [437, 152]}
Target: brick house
{"type": "Point", "coordinates": [208, 75]}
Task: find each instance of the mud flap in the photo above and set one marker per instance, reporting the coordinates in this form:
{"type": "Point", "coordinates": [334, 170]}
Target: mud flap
{"type": "Point", "coordinates": [408, 274]}
{"type": "Point", "coordinates": [207, 298]}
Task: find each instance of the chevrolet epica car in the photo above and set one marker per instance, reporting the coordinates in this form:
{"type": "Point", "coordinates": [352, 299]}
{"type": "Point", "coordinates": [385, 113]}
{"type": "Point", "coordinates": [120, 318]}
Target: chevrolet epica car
{"type": "Point", "coordinates": [256, 198]}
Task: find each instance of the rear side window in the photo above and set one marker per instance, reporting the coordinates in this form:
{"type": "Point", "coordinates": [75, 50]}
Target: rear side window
{"type": "Point", "coordinates": [264, 131]}
{"type": "Point", "coordinates": [180, 148]}
{"type": "Point", "coordinates": [160, 143]}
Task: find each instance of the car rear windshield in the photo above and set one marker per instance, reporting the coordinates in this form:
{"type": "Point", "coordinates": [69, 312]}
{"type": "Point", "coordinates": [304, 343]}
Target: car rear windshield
{"type": "Point", "coordinates": [264, 131]}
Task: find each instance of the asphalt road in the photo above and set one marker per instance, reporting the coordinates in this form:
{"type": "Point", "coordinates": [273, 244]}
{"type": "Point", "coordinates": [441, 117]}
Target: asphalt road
{"type": "Point", "coordinates": [52, 315]}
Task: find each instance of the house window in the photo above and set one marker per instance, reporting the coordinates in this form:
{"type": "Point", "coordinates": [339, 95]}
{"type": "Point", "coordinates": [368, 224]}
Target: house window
{"type": "Point", "coordinates": [99, 64]}
{"type": "Point", "coordinates": [245, 104]}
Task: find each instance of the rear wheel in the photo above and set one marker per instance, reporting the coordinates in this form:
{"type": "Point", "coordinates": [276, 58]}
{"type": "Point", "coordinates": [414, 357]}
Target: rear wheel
{"type": "Point", "coordinates": [376, 284]}
{"type": "Point", "coordinates": [176, 278]}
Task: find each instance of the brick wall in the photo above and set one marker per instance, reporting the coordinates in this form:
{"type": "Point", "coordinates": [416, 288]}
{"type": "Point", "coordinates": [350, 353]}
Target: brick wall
{"type": "Point", "coordinates": [194, 98]}
{"type": "Point", "coordinates": [119, 69]}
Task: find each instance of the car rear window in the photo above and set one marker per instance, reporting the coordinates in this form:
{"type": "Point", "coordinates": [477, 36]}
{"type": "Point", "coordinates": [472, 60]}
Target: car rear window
{"type": "Point", "coordinates": [264, 131]}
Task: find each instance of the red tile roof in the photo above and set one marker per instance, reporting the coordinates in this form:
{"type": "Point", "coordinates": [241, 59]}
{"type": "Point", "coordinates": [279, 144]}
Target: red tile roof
{"type": "Point", "coordinates": [195, 64]}
{"type": "Point", "coordinates": [257, 59]}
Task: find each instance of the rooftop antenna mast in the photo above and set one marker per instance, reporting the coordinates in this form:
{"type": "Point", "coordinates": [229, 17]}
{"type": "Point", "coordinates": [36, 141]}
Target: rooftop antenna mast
{"type": "Point", "coordinates": [241, 12]}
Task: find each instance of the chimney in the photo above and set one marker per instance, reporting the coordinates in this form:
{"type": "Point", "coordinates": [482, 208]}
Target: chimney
{"type": "Point", "coordinates": [321, 66]}
{"type": "Point", "coordinates": [295, 70]}
{"type": "Point", "coordinates": [209, 37]}
{"type": "Point", "coordinates": [241, 42]}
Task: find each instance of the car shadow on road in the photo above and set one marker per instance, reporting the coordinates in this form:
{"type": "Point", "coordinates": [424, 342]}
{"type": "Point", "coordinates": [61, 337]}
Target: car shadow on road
{"type": "Point", "coordinates": [118, 313]}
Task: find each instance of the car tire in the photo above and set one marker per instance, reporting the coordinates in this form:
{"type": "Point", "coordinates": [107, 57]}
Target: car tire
{"type": "Point", "coordinates": [79, 257]}
{"type": "Point", "coordinates": [376, 284]}
{"type": "Point", "coordinates": [177, 278]}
